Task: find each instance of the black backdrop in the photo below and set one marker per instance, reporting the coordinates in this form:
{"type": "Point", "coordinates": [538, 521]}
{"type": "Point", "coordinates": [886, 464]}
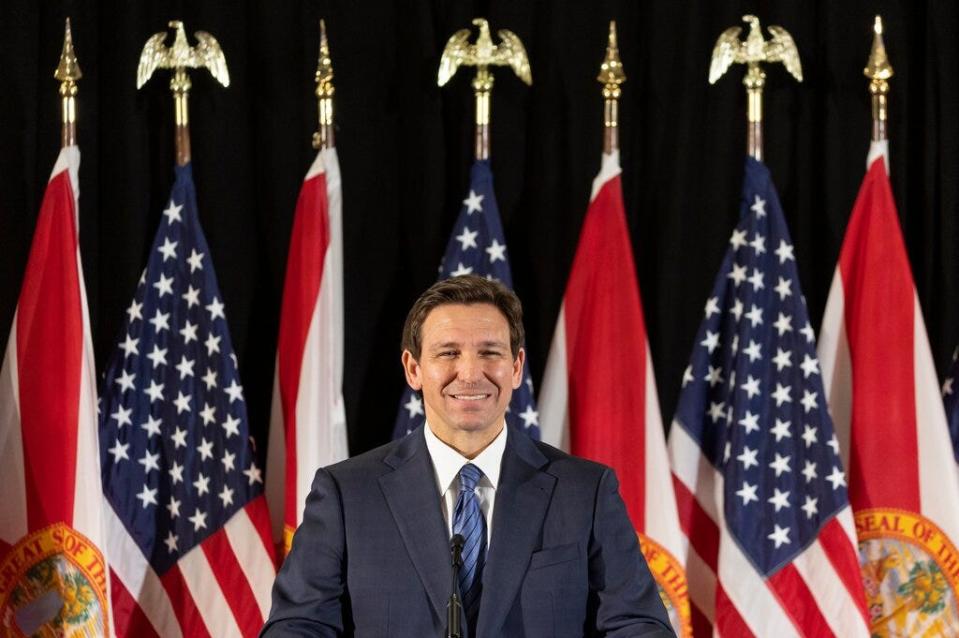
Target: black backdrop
{"type": "Point", "coordinates": [405, 151]}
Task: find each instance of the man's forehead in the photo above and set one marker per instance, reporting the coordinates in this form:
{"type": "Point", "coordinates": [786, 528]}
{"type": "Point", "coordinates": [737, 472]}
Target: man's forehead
{"type": "Point", "coordinates": [479, 322]}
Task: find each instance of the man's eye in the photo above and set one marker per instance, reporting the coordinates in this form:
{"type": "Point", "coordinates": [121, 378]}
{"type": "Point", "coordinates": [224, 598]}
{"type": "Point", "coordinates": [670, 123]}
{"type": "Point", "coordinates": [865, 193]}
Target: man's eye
{"type": "Point", "coordinates": [447, 354]}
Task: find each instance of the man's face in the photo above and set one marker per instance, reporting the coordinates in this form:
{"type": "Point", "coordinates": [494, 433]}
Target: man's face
{"type": "Point", "coordinates": [465, 370]}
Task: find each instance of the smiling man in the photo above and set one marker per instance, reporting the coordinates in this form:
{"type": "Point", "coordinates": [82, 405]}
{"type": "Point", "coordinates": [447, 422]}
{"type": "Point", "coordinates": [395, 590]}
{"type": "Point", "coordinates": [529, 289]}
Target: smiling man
{"type": "Point", "coordinates": [546, 546]}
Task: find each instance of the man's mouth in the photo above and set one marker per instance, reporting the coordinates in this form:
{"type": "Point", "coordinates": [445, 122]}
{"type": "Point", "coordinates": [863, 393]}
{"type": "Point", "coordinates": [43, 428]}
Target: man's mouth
{"type": "Point", "coordinates": [470, 397]}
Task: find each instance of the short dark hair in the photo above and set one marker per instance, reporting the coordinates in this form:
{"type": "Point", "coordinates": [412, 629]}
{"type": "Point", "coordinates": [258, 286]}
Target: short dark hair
{"type": "Point", "coordinates": [464, 289]}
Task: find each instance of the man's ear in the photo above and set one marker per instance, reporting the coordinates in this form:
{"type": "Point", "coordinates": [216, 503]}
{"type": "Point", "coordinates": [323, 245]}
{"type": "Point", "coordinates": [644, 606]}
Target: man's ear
{"type": "Point", "coordinates": [412, 369]}
{"type": "Point", "coordinates": [518, 367]}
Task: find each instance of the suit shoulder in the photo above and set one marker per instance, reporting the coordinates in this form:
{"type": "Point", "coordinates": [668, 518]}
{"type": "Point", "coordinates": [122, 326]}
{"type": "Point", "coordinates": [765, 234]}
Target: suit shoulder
{"type": "Point", "coordinates": [368, 464]}
{"type": "Point", "coordinates": [559, 461]}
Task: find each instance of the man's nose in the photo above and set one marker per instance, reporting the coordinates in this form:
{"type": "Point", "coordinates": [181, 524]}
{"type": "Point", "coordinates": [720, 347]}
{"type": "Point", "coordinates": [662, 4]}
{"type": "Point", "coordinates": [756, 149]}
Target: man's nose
{"type": "Point", "coordinates": [469, 368]}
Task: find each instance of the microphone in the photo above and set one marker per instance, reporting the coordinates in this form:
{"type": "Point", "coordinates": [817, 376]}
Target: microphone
{"type": "Point", "coordinates": [454, 606]}
{"type": "Point", "coordinates": [456, 548]}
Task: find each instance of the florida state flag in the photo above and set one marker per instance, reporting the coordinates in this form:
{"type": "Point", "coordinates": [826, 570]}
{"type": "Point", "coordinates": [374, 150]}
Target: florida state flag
{"type": "Point", "coordinates": [53, 571]}
{"type": "Point", "coordinates": [599, 391]}
{"type": "Point", "coordinates": [308, 424]}
{"type": "Point", "coordinates": [883, 393]}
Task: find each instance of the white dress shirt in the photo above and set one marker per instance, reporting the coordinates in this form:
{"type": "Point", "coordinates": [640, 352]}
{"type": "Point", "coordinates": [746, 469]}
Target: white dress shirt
{"type": "Point", "coordinates": [447, 464]}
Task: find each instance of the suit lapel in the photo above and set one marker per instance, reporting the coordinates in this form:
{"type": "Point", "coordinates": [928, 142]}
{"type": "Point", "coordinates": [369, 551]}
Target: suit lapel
{"type": "Point", "coordinates": [411, 493]}
{"type": "Point", "coordinates": [522, 497]}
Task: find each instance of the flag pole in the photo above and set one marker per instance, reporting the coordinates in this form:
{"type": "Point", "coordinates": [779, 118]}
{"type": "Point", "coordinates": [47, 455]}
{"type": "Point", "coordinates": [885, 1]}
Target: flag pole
{"type": "Point", "coordinates": [752, 52]}
{"type": "Point", "coordinates": [482, 55]}
{"type": "Point", "coordinates": [323, 138]}
{"type": "Point", "coordinates": [611, 75]}
{"type": "Point", "coordinates": [878, 70]}
{"type": "Point", "coordinates": [68, 72]}
{"type": "Point", "coordinates": [179, 57]}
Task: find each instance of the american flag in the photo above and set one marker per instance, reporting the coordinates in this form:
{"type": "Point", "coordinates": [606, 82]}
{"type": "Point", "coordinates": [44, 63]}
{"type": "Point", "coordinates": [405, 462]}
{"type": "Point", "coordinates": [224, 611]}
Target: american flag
{"type": "Point", "coordinates": [190, 533]}
{"type": "Point", "coordinates": [950, 396]}
{"type": "Point", "coordinates": [477, 246]}
{"type": "Point", "coordinates": [758, 475]}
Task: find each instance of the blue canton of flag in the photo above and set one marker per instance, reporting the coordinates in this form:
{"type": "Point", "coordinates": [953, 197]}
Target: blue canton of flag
{"type": "Point", "coordinates": [176, 457]}
{"type": "Point", "coordinates": [950, 396]}
{"type": "Point", "coordinates": [477, 246]}
{"type": "Point", "coordinates": [753, 397]}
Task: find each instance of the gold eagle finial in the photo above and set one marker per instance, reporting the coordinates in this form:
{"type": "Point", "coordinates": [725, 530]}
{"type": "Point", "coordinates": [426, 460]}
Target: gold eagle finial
{"type": "Point", "coordinates": [753, 52]}
{"type": "Point", "coordinates": [459, 52]}
{"type": "Point", "coordinates": [206, 54]}
{"type": "Point", "coordinates": [180, 57]}
{"type": "Point", "coordinates": [484, 54]}
{"type": "Point", "coordinates": [729, 49]}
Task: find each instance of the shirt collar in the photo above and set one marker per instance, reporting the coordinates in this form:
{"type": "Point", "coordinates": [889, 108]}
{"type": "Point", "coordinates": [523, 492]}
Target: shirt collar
{"type": "Point", "coordinates": [447, 462]}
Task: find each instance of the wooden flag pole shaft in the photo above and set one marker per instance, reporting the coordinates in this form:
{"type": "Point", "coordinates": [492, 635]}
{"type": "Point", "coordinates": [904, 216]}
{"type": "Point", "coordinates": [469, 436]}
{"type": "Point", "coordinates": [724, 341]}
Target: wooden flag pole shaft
{"type": "Point", "coordinates": [68, 108]}
{"type": "Point", "coordinates": [610, 125]}
{"type": "Point", "coordinates": [754, 81]}
{"type": "Point", "coordinates": [482, 87]}
{"type": "Point", "coordinates": [325, 132]}
{"type": "Point", "coordinates": [879, 117]}
{"type": "Point", "coordinates": [180, 85]}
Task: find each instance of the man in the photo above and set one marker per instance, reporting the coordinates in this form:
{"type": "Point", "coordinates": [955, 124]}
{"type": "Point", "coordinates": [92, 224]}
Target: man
{"type": "Point", "coordinates": [547, 548]}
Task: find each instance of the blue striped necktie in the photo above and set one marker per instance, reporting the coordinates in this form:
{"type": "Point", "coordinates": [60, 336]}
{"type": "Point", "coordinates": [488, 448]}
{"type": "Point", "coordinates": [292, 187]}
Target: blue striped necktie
{"type": "Point", "coordinates": [468, 521]}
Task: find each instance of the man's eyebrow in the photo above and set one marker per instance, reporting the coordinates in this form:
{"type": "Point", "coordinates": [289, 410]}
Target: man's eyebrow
{"type": "Point", "coordinates": [493, 344]}
{"type": "Point", "coordinates": [455, 344]}
{"type": "Point", "coordinates": [445, 345]}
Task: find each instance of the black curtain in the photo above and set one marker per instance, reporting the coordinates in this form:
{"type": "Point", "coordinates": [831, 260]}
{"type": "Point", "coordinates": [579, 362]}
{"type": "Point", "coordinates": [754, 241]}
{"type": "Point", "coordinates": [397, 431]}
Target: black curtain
{"type": "Point", "coordinates": [405, 151]}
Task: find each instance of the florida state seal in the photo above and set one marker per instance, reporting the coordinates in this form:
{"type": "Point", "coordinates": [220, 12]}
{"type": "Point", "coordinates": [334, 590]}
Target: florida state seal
{"type": "Point", "coordinates": [910, 570]}
{"type": "Point", "coordinates": [53, 583]}
{"type": "Point", "coordinates": [671, 581]}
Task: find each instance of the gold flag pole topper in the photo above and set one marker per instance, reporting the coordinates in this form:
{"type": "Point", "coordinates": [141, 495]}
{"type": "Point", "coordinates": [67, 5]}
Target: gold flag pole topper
{"type": "Point", "coordinates": [752, 52]}
{"type": "Point", "coordinates": [68, 72]}
{"type": "Point", "coordinates": [323, 138]}
{"type": "Point", "coordinates": [611, 75]}
{"type": "Point", "coordinates": [459, 52]}
{"type": "Point", "coordinates": [878, 70]}
{"type": "Point", "coordinates": [180, 57]}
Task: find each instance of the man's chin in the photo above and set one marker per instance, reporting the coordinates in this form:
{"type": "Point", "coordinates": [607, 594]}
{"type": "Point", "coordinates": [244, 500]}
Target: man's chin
{"type": "Point", "coordinates": [476, 424]}
{"type": "Point", "coordinates": [469, 425]}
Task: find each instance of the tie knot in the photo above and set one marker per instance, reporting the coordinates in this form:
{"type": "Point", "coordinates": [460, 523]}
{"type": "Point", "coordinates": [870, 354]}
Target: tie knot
{"type": "Point", "coordinates": [469, 477]}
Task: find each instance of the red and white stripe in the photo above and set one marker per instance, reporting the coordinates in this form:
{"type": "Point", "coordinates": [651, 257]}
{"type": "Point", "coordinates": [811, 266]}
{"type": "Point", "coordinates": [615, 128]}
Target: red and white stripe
{"type": "Point", "coordinates": [878, 370]}
{"type": "Point", "coordinates": [219, 588]}
{"type": "Point", "coordinates": [729, 597]}
{"type": "Point", "coordinates": [308, 422]}
{"type": "Point", "coordinates": [600, 342]}
{"type": "Point", "coordinates": [47, 383]}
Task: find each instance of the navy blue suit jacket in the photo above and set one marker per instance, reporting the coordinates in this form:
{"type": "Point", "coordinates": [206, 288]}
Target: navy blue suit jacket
{"type": "Point", "coordinates": [372, 558]}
